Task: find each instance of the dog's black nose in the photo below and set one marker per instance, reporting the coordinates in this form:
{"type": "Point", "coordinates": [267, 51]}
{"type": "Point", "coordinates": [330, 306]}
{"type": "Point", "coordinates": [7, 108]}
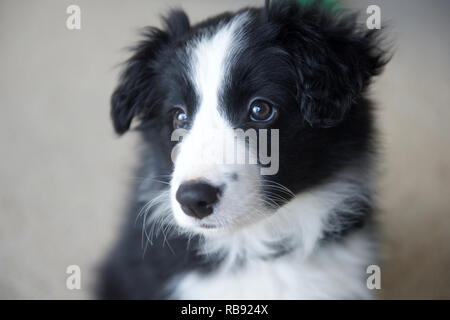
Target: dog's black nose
{"type": "Point", "coordinates": [197, 198]}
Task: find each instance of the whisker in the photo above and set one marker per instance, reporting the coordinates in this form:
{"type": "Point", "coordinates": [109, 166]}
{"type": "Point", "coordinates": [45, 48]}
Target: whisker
{"type": "Point", "coordinates": [275, 196]}
{"type": "Point", "coordinates": [276, 185]}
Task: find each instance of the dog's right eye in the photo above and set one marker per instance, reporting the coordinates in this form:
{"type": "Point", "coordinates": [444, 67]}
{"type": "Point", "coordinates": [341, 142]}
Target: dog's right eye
{"type": "Point", "coordinates": [180, 119]}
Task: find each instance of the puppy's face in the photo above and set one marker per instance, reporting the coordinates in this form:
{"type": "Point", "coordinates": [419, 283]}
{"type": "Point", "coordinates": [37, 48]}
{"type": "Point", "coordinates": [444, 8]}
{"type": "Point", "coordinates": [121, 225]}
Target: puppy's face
{"type": "Point", "coordinates": [249, 109]}
{"type": "Point", "coordinates": [218, 176]}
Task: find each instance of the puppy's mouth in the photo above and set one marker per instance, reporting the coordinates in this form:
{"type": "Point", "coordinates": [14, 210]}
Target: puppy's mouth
{"type": "Point", "coordinates": [210, 227]}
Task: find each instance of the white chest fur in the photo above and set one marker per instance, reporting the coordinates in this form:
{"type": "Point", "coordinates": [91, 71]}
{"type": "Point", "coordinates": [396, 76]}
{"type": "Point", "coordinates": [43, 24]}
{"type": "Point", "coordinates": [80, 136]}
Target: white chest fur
{"type": "Point", "coordinates": [335, 271]}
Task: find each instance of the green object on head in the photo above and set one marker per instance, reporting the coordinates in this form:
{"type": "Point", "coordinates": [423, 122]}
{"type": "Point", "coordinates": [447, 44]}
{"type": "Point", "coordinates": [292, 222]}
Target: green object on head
{"type": "Point", "coordinates": [332, 5]}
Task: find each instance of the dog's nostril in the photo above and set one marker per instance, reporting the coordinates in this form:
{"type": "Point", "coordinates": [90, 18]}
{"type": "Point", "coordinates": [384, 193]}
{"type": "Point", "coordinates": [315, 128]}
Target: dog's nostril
{"type": "Point", "coordinates": [202, 204]}
{"type": "Point", "coordinates": [197, 198]}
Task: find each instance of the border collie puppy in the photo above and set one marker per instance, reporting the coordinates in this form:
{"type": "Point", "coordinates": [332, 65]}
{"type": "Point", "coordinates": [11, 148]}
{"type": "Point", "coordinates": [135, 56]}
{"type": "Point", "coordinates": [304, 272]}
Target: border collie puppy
{"type": "Point", "coordinates": [293, 78]}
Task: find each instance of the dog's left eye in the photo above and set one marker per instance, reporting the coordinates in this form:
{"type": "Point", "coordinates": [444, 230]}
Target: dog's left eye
{"type": "Point", "coordinates": [262, 111]}
{"type": "Point", "coordinates": [180, 119]}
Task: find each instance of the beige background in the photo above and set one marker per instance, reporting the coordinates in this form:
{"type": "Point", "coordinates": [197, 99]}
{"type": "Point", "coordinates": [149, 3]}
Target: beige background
{"type": "Point", "coordinates": [64, 175]}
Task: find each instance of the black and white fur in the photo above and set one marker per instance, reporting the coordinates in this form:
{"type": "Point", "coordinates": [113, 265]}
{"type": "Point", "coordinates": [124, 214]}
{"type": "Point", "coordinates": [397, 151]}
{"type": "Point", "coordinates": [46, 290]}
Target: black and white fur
{"type": "Point", "coordinates": [305, 232]}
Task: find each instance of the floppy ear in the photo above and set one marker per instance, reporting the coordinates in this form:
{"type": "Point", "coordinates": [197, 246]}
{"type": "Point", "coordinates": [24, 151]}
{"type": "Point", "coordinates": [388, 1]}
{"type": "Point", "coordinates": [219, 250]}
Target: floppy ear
{"type": "Point", "coordinates": [334, 79]}
{"type": "Point", "coordinates": [334, 58]}
{"type": "Point", "coordinates": [136, 91]}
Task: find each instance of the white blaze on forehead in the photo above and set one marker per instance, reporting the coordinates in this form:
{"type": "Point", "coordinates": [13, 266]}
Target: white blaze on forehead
{"type": "Point", "coordinates": [211, 56]}
{"type": "Point", "coordinates": [200, 152]}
